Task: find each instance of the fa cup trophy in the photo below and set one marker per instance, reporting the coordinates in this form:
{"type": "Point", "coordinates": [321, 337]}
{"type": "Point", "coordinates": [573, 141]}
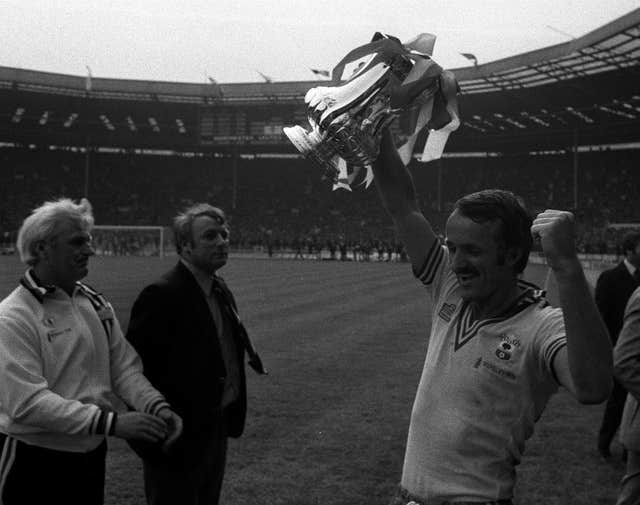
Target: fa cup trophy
{"type": "Point", "coordinates": [347, 119]}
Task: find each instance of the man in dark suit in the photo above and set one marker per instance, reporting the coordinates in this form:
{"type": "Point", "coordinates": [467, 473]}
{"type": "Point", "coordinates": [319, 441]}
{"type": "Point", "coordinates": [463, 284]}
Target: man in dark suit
{"type": "Point", "coordinates": [626, 358]}
{"type": "Point", "coordinates": [186, 328]}
{"type": "Point", "coordinates": [613, 289]}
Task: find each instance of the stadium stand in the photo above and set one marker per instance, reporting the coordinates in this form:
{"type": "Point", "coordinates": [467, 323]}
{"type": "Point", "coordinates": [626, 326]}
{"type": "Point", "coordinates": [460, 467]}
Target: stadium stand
{"type": "Point", "coordinates": [284, 201]}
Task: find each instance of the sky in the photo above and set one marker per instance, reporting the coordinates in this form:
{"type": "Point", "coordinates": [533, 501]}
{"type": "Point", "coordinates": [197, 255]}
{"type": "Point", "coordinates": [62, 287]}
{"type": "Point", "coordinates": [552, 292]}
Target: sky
{"type": "Point", "coordinates": [234, 40]}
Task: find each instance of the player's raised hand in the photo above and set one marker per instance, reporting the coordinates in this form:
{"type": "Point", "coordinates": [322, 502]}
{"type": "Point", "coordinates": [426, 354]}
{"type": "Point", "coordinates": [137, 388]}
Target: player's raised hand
{"type": "Point", "coordinates": [140, 426]}
{"type": "Point", "coordinates": [557, 234]}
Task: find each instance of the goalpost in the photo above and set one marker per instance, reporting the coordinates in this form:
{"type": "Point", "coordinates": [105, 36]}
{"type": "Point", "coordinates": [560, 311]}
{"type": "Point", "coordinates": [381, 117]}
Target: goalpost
{"type": "Point", "coordinates": [123, 240]}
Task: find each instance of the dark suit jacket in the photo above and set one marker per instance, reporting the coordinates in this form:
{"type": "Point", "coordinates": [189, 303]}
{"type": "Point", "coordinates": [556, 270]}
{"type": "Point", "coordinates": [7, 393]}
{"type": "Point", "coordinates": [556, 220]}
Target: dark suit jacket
{"type": "Point", "coordinates": [626, 362]}
{"type": "Point", "coordinates": [613, 289]}
{"type": "Point", "coordinates": [172, 329]}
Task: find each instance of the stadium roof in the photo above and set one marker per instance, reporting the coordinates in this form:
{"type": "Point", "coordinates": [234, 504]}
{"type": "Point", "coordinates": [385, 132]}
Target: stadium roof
{"type": "Point", "coordinates": [614, 46]}
{"type": "Point", "coordinates": [584, 89]}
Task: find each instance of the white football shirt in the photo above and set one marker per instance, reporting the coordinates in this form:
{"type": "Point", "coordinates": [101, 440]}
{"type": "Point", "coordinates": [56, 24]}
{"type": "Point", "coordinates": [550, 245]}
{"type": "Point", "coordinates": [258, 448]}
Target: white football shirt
{"type": "Point", "coordinates": [484, 385]}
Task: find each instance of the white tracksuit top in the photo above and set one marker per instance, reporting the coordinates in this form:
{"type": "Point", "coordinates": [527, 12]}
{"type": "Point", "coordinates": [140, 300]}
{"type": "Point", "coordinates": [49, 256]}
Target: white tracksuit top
{"type": "Point", "coordinates": [63, 363]}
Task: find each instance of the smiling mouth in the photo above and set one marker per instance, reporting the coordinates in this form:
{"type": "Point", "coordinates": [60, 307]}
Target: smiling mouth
{"type": "Point", "coordinates": [466, 278]}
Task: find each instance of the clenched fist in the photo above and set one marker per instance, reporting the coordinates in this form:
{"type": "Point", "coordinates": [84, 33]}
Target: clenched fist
{"type": "Point", "coordinates": [557, 234]}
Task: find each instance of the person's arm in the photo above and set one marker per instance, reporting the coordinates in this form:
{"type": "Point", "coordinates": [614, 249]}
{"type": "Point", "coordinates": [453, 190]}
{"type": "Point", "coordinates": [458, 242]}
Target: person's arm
{"type": "Point", "coordinates": [26, 398]}
{"type": "Point", "coordinates": [144, 350]}
{"type": "Point", "coordinates": [129, 382]}
{"type": "Point", "coordinates": [149, 333]}
{"type": "Point", "coordinates": [397, 192]}
{"type": "Point", "coordinates": [626, 355]}
{"type": "Point", "coordinates": [585, 365]}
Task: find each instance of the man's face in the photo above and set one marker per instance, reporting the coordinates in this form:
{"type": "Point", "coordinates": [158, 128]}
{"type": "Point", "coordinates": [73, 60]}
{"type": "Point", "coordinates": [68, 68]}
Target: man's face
{"type": "Point", "coordinates": [480, 262]}
{"type": "Point", "coordinates": [65, 259]}
{"type": "Point", "coordinates": [210, 244]}
{"type": "Point", "coordinates": [634, 256]}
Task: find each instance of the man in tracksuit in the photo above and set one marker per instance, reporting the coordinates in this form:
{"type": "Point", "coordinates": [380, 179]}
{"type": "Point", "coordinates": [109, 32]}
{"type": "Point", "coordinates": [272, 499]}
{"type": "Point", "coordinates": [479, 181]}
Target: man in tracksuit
{"type": "Point", "coordinates": [63, 363]}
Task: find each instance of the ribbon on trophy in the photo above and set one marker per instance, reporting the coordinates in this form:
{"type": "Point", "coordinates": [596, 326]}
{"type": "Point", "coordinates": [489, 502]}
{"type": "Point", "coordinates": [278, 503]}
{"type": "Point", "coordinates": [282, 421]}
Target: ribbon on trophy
{"type": "Point", "coordinates": [347, 121]}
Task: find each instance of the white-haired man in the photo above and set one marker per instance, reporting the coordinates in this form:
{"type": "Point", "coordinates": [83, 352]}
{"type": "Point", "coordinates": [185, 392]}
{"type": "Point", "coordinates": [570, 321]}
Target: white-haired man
{"type": "Point", "coordinates": [63, 361]}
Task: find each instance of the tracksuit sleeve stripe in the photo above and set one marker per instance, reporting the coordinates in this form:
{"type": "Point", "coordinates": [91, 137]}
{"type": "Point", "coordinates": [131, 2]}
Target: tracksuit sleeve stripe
{"type": "Point", "coordinates": [110, 420]}
{"type": "Point", "coordinates": [100, 425]}
{"type": "Point", "coordinates": [94, 422]}
{"type": "Point", "coordinates": [156, 405]}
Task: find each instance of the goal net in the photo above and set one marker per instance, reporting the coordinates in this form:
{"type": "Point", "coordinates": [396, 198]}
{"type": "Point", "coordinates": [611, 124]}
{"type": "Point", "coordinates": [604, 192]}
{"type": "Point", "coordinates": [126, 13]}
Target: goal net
{"type": "Point", "coordinates": [129, 240]}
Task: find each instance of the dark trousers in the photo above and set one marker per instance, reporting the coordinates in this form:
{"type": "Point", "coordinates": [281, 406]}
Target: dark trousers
{"type": "Point", "coordinates": [31, 474]}
{"type": "Point", "coordinates": [192, 474]}
{"type": "Point", "coordinates": [612, 417]}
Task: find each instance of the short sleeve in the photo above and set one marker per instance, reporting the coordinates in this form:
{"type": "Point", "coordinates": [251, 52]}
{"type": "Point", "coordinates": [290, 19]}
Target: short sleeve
{"type": "Point", "coordinates": [433, 272]}
{"type": "Point", "coordinates": [550, 338]}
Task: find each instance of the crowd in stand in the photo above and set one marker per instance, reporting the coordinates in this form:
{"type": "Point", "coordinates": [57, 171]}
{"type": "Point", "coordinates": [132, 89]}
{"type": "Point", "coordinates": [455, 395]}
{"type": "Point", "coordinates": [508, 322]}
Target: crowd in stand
{"type": "Point", "coordinates": [284, 206]}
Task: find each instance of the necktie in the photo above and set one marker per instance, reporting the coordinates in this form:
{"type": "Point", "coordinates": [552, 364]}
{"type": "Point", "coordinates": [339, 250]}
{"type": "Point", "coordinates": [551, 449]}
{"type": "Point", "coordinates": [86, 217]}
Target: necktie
{"type": "Point", "coordinates": [254, 359]}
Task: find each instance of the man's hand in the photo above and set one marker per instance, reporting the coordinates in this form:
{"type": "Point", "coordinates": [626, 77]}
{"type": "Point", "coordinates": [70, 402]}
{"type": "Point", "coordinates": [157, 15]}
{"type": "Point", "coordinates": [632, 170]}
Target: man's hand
{"type": "Point", "coordinates": [556, 231]}
{"type": "Point", "coordinates": [140, 426]}
{"type": "Point", "coordinates": [174, 426]}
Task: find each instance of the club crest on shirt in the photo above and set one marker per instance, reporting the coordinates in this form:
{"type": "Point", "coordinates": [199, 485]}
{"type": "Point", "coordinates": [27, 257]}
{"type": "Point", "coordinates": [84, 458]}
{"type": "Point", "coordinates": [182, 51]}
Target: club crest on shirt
{"type": "Point", "coordinates": [446, 311]}
{"type": "Point", "coordinates": [507, 347]}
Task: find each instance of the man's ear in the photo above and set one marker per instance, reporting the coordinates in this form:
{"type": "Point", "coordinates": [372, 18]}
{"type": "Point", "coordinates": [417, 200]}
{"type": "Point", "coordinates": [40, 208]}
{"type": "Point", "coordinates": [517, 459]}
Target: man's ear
{"type": "Point", "coordinates": [41, 250]}
{"type": "Point", "coordinates": [513, 255]}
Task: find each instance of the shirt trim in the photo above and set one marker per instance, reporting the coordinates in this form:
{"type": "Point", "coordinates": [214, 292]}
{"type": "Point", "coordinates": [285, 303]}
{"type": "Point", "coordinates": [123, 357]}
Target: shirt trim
{"type": "Point", "coordinates": [466, 329]}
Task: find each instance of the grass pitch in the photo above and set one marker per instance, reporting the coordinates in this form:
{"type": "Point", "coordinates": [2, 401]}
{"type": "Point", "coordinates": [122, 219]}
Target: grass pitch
{"type": "Point", "coordinates": [344, 344]}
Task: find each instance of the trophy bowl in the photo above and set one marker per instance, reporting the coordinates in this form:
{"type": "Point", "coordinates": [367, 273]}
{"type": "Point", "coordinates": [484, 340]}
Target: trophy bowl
{"type": "Point", "coordinates": [347, 119]}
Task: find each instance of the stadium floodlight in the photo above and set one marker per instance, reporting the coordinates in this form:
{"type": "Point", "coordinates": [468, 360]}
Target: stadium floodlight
{"type": "Point", "coordinates": [124, 240]}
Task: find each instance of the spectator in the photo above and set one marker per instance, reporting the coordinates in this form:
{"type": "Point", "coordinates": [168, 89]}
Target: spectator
{"type": "Point", "coordinates": [613, 289]}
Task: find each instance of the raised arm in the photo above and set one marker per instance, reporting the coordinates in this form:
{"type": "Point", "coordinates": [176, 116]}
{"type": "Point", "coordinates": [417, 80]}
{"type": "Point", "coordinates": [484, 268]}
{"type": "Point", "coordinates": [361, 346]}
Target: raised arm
{"type": "Point", "coordinates": [398, 195]}
{"type": "Point", "coordinates": [585, 366]}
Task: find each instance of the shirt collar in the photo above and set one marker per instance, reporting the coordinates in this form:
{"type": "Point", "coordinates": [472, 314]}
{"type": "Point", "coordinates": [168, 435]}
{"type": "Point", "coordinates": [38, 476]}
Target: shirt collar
{"type": "Point", "coordinates": [204, 280]}
{"type": "Point", "coordinates": [632, 269]}
{"type": "Point", "coordinates": [38, 289]}
{"type": "Point", "coordinates": [35, 286]}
